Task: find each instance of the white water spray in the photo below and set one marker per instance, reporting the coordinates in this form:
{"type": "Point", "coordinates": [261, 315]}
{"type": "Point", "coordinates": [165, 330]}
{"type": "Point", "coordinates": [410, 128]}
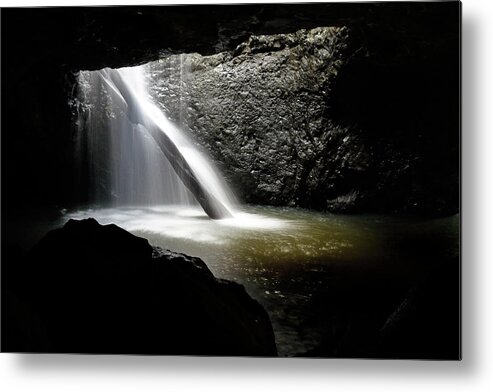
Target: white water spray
{"type": "Point", "coordinates": [136, 155]}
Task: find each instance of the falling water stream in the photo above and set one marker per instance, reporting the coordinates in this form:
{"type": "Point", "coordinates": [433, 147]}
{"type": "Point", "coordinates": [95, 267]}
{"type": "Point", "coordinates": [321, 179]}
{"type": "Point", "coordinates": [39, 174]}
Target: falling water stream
{"type": "Point", "coordinates": [137, 155]}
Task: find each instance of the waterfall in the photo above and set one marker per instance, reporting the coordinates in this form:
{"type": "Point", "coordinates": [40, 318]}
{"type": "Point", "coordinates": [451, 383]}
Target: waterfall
{"type": "Point", "coordinates": [134, 155]}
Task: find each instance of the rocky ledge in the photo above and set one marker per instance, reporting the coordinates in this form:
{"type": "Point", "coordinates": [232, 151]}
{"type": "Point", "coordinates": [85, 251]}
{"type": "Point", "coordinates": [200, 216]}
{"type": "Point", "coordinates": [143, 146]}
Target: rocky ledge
{"type": "Point", "coordinates": [89, 288]}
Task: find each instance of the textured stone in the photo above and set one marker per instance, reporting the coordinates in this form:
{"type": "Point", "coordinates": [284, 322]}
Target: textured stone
{"type": "Point", "coordinates": [272, 115]}
{"type": "Point", "coordinates": [260, 111]}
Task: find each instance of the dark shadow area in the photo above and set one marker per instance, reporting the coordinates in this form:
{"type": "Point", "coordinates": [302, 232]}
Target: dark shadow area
{"type": "Point", "coordinates": [87, 288]}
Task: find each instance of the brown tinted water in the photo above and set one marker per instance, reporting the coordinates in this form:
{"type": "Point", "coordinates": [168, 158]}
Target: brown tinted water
{"type": "Point", "coordinates": [321, 277]}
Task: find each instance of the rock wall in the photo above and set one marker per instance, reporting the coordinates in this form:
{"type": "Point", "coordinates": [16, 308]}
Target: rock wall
{"type": "Point", "coordinates": [260, 110]}
{"type": "Point", "coordinates": [265, 113]}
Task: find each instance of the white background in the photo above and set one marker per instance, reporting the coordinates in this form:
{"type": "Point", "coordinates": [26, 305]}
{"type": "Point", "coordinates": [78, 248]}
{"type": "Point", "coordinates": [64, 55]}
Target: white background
{"type": "Point", "coordinates": [475, 373]}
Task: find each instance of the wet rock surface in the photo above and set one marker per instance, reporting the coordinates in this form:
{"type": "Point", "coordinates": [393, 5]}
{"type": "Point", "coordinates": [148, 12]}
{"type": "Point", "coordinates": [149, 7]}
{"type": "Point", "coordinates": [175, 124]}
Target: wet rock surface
{"type": "Point", "coordinates": [89, 288]}
{"type": "Point", "coordinates": [261, 112]}
{"type": "Point", "coordinates": [315, 119]}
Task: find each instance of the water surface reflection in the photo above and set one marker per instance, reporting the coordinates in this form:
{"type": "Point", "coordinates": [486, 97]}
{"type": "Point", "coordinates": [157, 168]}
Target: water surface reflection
{"type": "Point", "coordinates": [317, 274]}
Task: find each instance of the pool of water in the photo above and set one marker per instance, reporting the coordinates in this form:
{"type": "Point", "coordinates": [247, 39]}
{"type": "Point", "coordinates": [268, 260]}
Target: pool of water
{"type": "Point", "coordinates": [318, 275]}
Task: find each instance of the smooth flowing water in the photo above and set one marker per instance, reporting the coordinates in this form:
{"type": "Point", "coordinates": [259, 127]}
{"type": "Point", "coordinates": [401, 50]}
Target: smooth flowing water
{"type": "Point", "coordinates": [135, 154]}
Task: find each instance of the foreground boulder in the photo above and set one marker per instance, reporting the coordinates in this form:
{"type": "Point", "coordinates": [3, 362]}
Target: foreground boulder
{"type": "Point", "coordinates": [90, 288]}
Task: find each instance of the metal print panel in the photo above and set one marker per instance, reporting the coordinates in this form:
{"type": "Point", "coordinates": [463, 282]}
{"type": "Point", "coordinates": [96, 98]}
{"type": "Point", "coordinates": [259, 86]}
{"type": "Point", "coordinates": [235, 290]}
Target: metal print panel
{"type": "Point", "coordinates": [232, 180]}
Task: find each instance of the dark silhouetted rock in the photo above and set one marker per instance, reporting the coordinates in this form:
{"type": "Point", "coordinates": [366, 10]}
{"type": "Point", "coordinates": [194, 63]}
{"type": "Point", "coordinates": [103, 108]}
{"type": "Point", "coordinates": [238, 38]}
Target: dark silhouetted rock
{"type": "Point", "coordinates": [98, 289]}
{"type": "Point", "coordinates": [427, 322]}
